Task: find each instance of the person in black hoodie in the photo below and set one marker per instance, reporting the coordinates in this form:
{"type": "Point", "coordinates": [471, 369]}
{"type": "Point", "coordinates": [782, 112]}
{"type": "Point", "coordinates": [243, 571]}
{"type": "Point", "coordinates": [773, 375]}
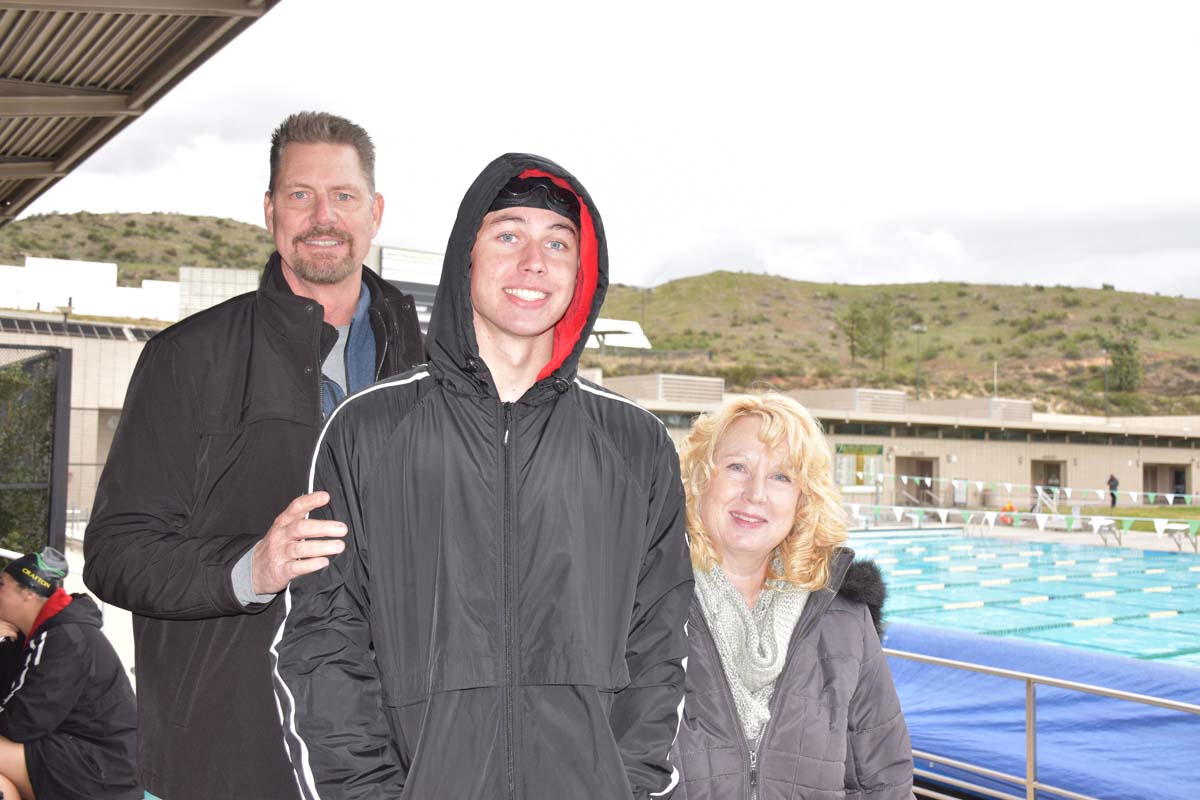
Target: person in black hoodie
{"type": "Point", "coordinates": [507, 620]}
{"type": "Point", "coordinates": [214, 442]}
{"type": "Point", "coordinates": [68, 722]}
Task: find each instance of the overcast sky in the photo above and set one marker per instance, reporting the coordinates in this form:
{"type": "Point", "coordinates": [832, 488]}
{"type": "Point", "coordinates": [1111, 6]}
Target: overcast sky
{"type": "Point", "coordinates": [861, 142]}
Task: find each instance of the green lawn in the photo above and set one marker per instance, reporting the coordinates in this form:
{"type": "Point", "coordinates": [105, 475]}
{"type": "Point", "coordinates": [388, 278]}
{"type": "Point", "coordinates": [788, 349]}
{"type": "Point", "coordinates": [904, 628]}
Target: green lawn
{"type": "Point", "coordinates": [1179, 512]}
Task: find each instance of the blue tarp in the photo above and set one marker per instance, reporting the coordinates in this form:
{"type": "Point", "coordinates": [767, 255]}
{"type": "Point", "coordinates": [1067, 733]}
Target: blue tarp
{"type": "Point", "coordinates": [1096, 746]}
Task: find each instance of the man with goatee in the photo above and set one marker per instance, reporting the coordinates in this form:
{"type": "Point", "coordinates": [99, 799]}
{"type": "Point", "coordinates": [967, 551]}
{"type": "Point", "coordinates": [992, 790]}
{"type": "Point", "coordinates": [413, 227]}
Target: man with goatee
{"type": "Point", "coordinates": [200, 515]}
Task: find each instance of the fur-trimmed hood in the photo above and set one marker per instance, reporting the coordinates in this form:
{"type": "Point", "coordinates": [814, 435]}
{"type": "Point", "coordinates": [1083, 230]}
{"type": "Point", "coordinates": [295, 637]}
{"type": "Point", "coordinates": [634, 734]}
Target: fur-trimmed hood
{"type": "Point", "coordinates": [862, 582]}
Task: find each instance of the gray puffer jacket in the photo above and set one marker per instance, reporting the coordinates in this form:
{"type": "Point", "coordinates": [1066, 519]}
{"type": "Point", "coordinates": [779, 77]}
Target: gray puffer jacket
{"type": "Point", "coordinates": [836, 730]}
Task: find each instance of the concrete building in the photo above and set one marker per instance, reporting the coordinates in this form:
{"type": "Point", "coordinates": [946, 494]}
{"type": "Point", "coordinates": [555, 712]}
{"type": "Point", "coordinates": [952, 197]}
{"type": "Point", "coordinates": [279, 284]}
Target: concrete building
{"type": "Point", "coordinates": [103, 358]}
{"type": "Point", "coordinates": [972, 453]}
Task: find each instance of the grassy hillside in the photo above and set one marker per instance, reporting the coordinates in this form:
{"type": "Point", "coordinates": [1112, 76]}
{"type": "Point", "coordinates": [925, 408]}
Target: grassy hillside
{"type": "Point", "coordinates": [1046, 341]}
{"type": "Point", "coordinates": [144, 246]}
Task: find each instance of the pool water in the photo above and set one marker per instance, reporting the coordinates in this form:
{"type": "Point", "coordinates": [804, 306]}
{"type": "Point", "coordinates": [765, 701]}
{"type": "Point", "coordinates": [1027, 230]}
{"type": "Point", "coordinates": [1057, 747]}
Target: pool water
{"type": "Point", "coordinates": [1139, 603]}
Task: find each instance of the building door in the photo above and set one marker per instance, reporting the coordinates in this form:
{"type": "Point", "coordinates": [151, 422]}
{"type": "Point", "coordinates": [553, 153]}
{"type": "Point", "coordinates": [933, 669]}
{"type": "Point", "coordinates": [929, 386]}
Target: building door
{"type": "Point", "coordinates": [916, 481]}
{"type": "Point", "coordinates": [1050, 476]}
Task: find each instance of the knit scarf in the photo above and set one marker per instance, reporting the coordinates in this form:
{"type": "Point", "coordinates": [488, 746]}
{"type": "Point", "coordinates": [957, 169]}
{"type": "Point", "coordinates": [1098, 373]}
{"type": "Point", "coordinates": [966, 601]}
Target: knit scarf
{"type": "Point", "coordinates": [752, 642]}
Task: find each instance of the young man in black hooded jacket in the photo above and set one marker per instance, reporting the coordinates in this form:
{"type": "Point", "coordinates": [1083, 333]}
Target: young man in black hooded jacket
{"type": "Point", "coordinates": [507, 620]}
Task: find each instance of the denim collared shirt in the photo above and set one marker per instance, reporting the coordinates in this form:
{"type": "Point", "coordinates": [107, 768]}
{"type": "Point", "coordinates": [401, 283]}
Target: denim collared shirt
{"type": "Point", "coordinates": [360, 357]}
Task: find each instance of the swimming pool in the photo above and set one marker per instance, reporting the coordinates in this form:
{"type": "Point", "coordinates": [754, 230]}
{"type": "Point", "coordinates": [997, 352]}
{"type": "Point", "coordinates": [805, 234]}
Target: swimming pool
{"type": "Point", "coordinates": [1138, 603]}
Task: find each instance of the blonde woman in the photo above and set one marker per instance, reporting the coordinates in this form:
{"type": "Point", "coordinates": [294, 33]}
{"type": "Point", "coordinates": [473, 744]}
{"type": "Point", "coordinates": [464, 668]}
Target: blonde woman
{"type": "Point", "coordinates": [788, 692]}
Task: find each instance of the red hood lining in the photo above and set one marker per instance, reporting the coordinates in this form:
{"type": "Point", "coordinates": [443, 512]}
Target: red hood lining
{"type": "Point", "coordinates": [54, 604]}
{"type": "Point", "coordinates": [568, 329]}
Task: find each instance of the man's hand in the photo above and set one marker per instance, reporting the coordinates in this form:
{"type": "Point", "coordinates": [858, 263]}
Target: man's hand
{"type": "Point", "coordinates": [8, 633]}
{"type": "Point", "coordinates": [295, 546]}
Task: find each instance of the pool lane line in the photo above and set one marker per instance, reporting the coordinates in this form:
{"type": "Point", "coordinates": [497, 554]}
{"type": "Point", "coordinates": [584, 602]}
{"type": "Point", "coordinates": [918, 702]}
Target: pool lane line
{"type": "Point", "coordinates": [1029, 599]}
{"type": "Point", "coordinates": [989, 568]}
{"type": "Point", "coordinates": [1084, 623]}
{"type": "Point", "coordinates": [1105, 573]}
{"type": "Point", "coordinates": [986, 582]}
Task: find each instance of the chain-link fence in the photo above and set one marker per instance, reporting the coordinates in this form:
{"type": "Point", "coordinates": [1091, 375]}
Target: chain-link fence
{"type": "Point", "coordinates": [35, 392]}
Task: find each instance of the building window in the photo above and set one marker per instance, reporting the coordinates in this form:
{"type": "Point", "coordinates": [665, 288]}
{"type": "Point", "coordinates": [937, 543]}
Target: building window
{"type": "Point", "coordinates": [678, 420]}
{"type": "Point", "coordinates": [978, 434]}
{"type": "Point", "coordinates": [918, 431]}
{"type": "Point", "coordinates": [857, 464]}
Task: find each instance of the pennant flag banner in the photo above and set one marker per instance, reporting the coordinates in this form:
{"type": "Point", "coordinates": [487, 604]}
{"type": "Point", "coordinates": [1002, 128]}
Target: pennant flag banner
{"type": "Point", "coordinates": [904, 479]}
{"type": "Point", "coordinates": [1017, 518]}
{"type": "Point", "coordinates": [1070, 520]}
{"type": "Point", "coordinates": [941, 512]}
{"type": "Point", "coordinates": [1041, 521]}
{"type": "Point", "coordinates": [1097, 523]}
{"type": "Point", "coordinates": [1170, 499]}
{"type": "Point", "coordinates": [990, 518]}
{"type": "Point", "coordinates": [1008, 487]}
{"type": "Point", "coordinates": [1126, 523]}
{"type": "Point", "coordinates": [1193, 525]}
{"type": "Point", "coordinates": [858, 475]}
{"type": "Point", "coordinates": [1133, 496]}
{"type": "Point", "coordinates": [979, 486]}
{"type": "Point", "coordinates": [899, 512]}
{"type": "Point", "coordinates": [1160, 525]}
{"type": "Point", "coordinates": [956, 484]}
{"type": "Point", "coordinates": [1067, 492]}
{"type": "Point", "coordinates": [854, 509]}
{"type": "Point", "coordinates": [1099, 494]}
{"type": "Point", "coordinates": [1150, 496]}
{"type": "Point", "coordinates": [928, 482]}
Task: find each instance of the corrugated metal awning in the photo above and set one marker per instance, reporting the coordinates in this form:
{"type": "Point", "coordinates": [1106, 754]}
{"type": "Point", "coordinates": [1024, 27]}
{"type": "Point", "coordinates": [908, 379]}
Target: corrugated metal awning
{"type": "Point", "coordinates": [73, 74]}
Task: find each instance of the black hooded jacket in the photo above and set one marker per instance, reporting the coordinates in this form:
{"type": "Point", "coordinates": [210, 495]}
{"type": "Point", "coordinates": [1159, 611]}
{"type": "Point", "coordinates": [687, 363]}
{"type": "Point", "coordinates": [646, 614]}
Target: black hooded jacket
{"type": "Point", "coordinates": [215, 439]}
{"type": "Point", "coordinates": [67, 699]}
{"type": "Point", "coordinates": [507, 620]}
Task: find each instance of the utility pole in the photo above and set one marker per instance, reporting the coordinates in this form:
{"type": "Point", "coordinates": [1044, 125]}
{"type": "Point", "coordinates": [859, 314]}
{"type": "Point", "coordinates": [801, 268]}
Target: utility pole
{"type": "Point", "coordinates": [918, 328]}
{"type": "Point", "coordinates": [1104, 352]}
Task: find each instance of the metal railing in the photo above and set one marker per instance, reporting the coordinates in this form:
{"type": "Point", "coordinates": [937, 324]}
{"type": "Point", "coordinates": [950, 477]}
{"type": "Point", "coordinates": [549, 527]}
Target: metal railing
{"type": "Point", "coordinates": [1030, 782]}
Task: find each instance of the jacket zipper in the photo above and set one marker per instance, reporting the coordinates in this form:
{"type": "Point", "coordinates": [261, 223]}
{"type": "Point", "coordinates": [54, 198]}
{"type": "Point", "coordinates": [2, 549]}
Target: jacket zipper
{"type": "Point", "coordinates": [384, 324]}
{"type": "Point", "coordinates": [320, 322]}
{"type": "Point", "coordinates": [509, 602]}
{"type": "Point", "coordinates": [799, 634]}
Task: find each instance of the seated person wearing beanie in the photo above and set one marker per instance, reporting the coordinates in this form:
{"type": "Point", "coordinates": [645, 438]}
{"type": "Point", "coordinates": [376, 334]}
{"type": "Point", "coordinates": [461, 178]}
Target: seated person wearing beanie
{"type": "Point", "coordinates": [68, 721]}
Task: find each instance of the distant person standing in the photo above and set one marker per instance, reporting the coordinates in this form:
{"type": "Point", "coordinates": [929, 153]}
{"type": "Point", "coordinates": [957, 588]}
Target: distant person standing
{"type": "Point", "coordinates": [1113, 483]}
{"type": "Point", "coordinates": [200, 514]}
{"type": "Point", "coordinates": [68, 721]}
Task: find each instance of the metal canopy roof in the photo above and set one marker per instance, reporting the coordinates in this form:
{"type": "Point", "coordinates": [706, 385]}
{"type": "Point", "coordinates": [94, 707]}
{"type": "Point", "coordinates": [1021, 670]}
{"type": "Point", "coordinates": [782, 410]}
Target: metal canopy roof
{"type": "Point", "coordinates": [74, 74]}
